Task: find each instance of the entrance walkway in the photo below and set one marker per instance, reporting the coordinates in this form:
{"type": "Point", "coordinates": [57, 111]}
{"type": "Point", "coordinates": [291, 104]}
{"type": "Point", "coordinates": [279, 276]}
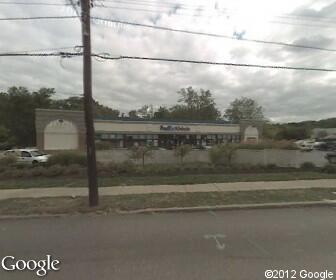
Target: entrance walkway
{"type": "Point", "coordinates": [126, 190]}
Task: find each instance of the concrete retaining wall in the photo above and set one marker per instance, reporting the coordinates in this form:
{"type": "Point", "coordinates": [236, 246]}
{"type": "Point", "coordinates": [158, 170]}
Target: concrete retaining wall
{"type": "Point", "coordinates": [282, 158]}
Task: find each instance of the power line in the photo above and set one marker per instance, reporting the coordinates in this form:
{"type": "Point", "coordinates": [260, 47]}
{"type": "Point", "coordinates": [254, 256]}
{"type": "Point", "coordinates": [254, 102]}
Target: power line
{"type": "Point", "coordinates": [41, 17]}
{"type": "Point", "coordinates": [122, 57]}
{"type": "Point", "coordinates": [223, 10]}
{"type": "Point", "coordinates": [33, 3]}
{"type": "Point", "coordinates": [54, 54]}
{"type": "Point", "coordinates": [213, 63]}
{"type": "Point", "coordinates": [174, 11]}
{"type": "Point", "coordinates": [45, 50]}
{"type": "Point", "coordinates": [213, 34]}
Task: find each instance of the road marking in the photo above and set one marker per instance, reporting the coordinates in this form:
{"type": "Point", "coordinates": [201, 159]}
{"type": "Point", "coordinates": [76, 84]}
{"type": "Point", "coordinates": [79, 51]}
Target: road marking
{"type": "Point", "coordinates": [212, 213]}
{"type": "Point", "coordinates": [220, 245]}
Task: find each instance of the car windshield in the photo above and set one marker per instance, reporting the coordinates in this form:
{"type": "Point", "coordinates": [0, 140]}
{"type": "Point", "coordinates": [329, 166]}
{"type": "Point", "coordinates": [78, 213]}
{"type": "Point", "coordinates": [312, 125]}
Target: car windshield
{"type": "Point", "coordinates": [36, 153]}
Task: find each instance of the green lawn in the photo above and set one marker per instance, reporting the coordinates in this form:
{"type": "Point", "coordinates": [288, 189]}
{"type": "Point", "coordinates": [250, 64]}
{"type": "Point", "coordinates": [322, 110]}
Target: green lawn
{"type": "Point", "coordinates": [65, 205]}
{"type": "Point", "coordinates": [161, 180]}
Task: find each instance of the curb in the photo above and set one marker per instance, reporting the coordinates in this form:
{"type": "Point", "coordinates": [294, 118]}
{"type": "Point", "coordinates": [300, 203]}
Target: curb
{"type": "Point", "coordinates": [232, 207]}
{"type": "Point", "coordinates": [321, 203]}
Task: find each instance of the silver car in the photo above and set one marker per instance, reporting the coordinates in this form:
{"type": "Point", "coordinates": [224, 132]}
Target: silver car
{"type": "Point", "coordinates": [28, 156]}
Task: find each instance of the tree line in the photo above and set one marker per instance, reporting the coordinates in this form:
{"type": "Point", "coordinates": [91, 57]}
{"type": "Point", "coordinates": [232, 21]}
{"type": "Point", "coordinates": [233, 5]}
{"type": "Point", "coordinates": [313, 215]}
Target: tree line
{"type": "Point", "coordinates": [18, 104]}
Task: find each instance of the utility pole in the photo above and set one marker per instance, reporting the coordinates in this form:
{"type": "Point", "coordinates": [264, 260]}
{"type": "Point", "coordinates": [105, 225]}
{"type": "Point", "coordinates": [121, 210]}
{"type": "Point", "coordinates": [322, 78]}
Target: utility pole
{"type": "Point", "coordinates": [88, 104]}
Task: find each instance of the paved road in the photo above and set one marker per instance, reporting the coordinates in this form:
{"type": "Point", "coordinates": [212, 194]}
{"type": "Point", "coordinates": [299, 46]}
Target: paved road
{"type": "Point", "coordinates": [179, 246]}
{"type": "Point", "coordinates": [148, 189]}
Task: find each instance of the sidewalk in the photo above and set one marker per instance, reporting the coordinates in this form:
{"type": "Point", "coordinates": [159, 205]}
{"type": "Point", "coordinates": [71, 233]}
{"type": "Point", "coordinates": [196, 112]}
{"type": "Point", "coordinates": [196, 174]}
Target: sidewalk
{"type": "Point", "coordinates": [126, 190]}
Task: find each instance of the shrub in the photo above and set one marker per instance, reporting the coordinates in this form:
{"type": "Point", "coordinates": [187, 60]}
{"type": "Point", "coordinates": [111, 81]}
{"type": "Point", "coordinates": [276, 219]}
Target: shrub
{"type": "Point", "coordinates": [216, 155]}
{"type": "Point", "coordinates": [38, 171]}
{"type": "Point", "coordinates": [141, 152]}
{"type": "Point", "coordinates": [67, 158]}
{"type": "Point", "coordinates": [54, 170]}
{"type": "Point", "coordinates": [181, 151]}
{"type": "Point", "coordinates": [329, 168]}
{"type": "Point", "coordinates": [223, 154]}
{"type": "Point", "coordinates": [103, 145]}
{"type": "Point", "coordinates": [112, 168]}
{"type": "Point", "coordinates": [7, 161]}
{"type": "Point", "coordinates": [268, 144]}
{"type": "Point", "coordinates": [74, 169]}
{"type": "Point", "coordinates": [308, 165]}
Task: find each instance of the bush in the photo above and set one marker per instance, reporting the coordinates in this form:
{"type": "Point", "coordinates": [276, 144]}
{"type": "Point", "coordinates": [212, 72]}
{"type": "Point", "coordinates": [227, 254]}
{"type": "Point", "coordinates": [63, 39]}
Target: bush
{"type": "Point", "coordinates": [141, 152]}
{"type": "Point", "coordinates": [74, 169]}
{"type": "Point", "coordinates": [223, 154]}
{"type": "Point", "coordinates": [103, 145]}
{"type": "Point", "coordinates": [55, 170]}
{"type": "Point", "coordinates": [267, 144]}
{"type": "Point", "coordinates": [308, 165]}
{"type": "Point", "coordinates": [7, 161]}
{"type": "Point", "coordinates": [112, 168]}
{"type": "Point", "coordinates": [329, 168]}
{"type": "Point", "coordinates": [181, 151]}
{"type": "Point", "coordinates": [67, 158]}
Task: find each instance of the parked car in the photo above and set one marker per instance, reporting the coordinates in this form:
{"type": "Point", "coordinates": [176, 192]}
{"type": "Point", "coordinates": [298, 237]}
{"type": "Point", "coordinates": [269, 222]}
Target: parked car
{"type": "Point", "coordinates": [28, 156]}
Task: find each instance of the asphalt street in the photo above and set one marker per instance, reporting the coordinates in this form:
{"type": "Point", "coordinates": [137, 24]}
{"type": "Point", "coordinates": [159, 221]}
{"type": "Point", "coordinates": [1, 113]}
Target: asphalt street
{"type": "Point", "coordinates": [201, 245]}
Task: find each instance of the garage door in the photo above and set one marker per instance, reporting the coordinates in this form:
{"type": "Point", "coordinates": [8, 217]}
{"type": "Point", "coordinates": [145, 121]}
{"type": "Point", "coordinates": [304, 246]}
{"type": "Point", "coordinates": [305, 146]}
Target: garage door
{"type": "Point", "coordinates": [61, 135]}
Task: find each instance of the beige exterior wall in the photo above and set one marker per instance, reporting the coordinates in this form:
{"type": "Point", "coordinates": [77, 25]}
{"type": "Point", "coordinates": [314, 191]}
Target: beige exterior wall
{"type": "Point", "coordinates": [142, 127]}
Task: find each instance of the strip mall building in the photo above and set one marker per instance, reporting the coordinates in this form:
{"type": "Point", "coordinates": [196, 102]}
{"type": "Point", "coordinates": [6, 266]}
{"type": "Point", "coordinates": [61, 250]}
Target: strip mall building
{"type": "Point", "coordinates": [65, 130]}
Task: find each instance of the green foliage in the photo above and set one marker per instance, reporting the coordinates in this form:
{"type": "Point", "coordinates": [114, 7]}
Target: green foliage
{"type": "Point", "coordinates": [269, 144]}
{"type": "Point", "coordinates": [223, 154]}
{"type": "Point", "coordinates": [67, 158]}
{"type": "Point", "coordinates": [192, 105]}
{"type": "Point", "coordinates": [182, 150]}
{"type": "Point", "coordinates": [195, 105]}
{"type": "Point", "coordinates": [17, 113]}
{"type": "Point", "coordinates": [244, 109]}
{"type": "Point", "coordinates": [329, 168]}
{"type": "Point", "coordinates": [308, 165]}
{"type": "Point", "coordinates": [292, 133]}
{"type": "Point", "coordinates": [103, 145]}
{"type": "Point", "coordinates": [7, 161]}
{"type": "Point", "coordinates": [115, 169]}
{"type": "Point", "coordinates": [141, 153]}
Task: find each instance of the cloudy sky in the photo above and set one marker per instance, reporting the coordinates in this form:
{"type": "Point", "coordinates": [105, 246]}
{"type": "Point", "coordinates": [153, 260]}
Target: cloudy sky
{"type": "Point", "coordinates": [286, 95]}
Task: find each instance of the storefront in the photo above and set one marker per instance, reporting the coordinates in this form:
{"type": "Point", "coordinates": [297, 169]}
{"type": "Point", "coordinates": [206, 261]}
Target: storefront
{"type": "Point", "coordinates": [125, 133]}
{"type": "Point", "coordinates": [54, 128]}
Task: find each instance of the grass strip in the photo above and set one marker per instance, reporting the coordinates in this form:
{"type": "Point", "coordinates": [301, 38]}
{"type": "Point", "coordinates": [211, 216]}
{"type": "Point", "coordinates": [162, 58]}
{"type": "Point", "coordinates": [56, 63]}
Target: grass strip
{"type": "Point", "coordinates": [67, 205]}
{"type": "Point", "coordinates": [39, 182]}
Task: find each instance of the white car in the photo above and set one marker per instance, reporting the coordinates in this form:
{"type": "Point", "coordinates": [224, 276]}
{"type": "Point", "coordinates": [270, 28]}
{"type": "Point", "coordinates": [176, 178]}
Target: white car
{"type": "Point", "coordinates": [28, 156]}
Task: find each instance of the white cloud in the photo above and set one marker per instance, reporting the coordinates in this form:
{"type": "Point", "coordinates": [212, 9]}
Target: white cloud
{"type": "Point", "coordinates": [124, 85]}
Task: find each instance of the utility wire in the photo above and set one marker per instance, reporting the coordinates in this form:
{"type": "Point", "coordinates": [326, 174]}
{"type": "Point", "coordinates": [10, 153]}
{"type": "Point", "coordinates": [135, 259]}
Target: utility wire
{"type": "Point", "coordinates": [213, 63]}
{"type": "Point", "coordinates": [108, 57]}
{"type": "Point", "coordinates": [202, 8]}
{"type": "Point", "coordinates": [33, 3]}
{"type": "Point", "coordinates": [55, 54]}
{"type": "Point", "coordinates": [45, 50]}
{"type": "Point", "coordinates": [213, 34]}
{"type": "Point", "coordinates": [34, 18]}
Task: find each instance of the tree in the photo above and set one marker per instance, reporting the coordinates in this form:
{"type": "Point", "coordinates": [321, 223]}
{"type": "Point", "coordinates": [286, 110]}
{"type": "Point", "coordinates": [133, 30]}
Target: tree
{"type": "Point", "coordinates": [146, 112]}
{"type": "Point", "coordinates": [244, 109]}
{"type": "Point", "coordinates": [182, 150]}
{"type": "Point", "coordinates": [162, 113]}
{"type": "Point", "coordinates": [293, 133]}
{"type": "Point", "coordinates": [17, 112]}
{"type": "Point", "coordinates": [195, 105]}
{"type": "Point", "coordinates": [77, 103]}
{"type": "Point", "coordinates": [133, 114]}
{"type": "Point", "coordinates": [141, 152]}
